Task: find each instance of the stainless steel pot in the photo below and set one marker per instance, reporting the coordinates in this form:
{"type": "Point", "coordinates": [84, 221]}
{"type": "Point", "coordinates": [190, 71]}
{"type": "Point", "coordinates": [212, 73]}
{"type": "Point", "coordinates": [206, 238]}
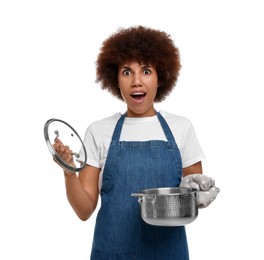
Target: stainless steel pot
{"type": "Point", "coordinates": [168, 206]}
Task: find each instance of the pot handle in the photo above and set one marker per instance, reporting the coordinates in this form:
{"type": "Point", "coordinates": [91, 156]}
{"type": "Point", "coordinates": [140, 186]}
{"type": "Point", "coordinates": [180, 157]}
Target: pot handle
{"type": "Point", "coordinates": [138, 194]}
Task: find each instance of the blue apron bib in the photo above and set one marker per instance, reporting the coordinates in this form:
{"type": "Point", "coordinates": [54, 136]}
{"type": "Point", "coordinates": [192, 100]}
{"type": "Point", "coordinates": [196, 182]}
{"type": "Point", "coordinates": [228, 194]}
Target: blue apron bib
{"type": "Point", "coordinates": [120, 233]}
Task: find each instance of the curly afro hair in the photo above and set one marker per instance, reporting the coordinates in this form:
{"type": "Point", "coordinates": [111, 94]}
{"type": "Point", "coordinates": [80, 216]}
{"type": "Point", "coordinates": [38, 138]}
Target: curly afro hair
{"type": "Point", "coordinates": [145, 46]}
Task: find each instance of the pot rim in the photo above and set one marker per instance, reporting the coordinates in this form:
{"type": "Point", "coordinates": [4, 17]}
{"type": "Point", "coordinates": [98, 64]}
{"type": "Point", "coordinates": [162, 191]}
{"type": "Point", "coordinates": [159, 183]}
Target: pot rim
{"type": "Point", "coordinates": [174, 191]}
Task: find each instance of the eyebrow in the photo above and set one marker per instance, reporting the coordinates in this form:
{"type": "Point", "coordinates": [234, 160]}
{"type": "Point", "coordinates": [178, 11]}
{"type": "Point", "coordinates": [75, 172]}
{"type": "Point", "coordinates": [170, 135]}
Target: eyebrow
{"type": "Point", "coordinates": [147, 66]}
{"type": "Point", "coordinates": [143, 67]}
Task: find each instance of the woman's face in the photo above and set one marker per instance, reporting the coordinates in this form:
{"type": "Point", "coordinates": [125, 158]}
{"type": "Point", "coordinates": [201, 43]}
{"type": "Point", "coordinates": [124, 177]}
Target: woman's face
{"type": "Point", "coordinates": [138, 85]}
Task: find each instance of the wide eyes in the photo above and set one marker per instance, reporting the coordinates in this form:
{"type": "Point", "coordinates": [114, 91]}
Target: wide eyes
{"type": "Point", "coordinates": [146, 72]}
{"type": "Point", "coordinates": [127, 72]}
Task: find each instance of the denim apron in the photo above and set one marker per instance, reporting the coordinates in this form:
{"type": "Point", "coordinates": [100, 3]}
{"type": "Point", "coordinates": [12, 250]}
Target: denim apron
{"type": "Point", "coordinates": [120, 233]}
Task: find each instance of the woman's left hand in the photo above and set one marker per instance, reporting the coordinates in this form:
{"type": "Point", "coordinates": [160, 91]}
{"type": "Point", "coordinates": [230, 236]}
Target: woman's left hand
{"type": "Point", "coordinates": [205, 185]}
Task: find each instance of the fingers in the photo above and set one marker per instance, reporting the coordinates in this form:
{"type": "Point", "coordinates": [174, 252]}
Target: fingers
{"type": "Point", "coordinates": [57, 144]}
{"type": "Point", "coordinates": [187, 181]}
{"type": "Point", "coordinates": [205, 198]}
{"type": "Point", "coordinates": [205, 182]}
{"type": "Point", "coordinates": [64, 152]}
{"type": "Point", "coordinates": [57, 141]}
{"type": "Point", "coordinates": [191, 185]}
{"type": "Point", "coordinates": [205, 185]}
{"type": "Point", "coordinates": [198, 181]}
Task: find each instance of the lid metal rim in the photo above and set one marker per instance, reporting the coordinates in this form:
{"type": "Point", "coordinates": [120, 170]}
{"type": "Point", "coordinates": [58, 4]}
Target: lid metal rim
{"type": "Point", "coordinates": [55, 155]}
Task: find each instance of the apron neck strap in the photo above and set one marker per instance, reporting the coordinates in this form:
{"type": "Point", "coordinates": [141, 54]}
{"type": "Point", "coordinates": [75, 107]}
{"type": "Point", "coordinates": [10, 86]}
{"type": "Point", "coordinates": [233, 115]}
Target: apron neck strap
{"type": "Point", "coordinates": [118, 128]}
{"type": "Point", "coordinates": [166, 129]}
{"type": "Point", "coordinates": [164, 125]}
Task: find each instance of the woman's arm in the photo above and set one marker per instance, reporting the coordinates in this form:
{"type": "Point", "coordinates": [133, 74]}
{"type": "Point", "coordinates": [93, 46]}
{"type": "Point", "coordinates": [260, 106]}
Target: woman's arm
{"type": "Point", "coordinates": [193, 169]}
{"type": "Point", "coordinates": [82, 191]}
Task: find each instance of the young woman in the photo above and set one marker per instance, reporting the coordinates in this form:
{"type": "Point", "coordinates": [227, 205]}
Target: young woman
{"type": "Point", "coordinates": [139, 149]}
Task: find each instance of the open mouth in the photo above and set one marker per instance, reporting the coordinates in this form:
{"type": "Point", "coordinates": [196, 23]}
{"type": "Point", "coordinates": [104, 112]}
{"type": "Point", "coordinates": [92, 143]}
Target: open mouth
{"type": "Point", "coordinates": [138, 95]}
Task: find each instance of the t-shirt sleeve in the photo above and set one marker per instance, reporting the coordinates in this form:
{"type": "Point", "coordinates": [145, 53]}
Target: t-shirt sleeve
{"type": "Point", "coordinates": [91, 148]}
{"type": "Point", "coordinates": [191, 151]}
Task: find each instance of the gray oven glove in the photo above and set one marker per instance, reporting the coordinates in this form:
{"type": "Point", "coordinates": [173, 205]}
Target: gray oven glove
{"type": "Point", "coordinates": [205, 185]}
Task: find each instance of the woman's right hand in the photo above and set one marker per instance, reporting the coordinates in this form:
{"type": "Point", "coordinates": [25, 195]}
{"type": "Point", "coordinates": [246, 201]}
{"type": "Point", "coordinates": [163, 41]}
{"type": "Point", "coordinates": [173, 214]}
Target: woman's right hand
{"type": "Point", "coordinates": [64, 152]}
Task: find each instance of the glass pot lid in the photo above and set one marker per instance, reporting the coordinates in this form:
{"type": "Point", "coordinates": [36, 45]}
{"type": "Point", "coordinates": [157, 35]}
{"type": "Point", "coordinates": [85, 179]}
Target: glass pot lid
{"type": "Point", "coordinates": [56, 128]}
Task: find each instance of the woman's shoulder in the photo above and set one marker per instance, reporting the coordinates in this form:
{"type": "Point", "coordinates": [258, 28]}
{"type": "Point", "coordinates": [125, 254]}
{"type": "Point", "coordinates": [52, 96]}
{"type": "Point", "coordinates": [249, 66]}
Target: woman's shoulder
{"type": "Point", "coordinates": [105, 125]}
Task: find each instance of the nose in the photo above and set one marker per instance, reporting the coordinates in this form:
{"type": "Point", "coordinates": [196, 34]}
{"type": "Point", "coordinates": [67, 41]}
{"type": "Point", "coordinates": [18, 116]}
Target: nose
{"type": "Point", "coordinates": [137, 80]}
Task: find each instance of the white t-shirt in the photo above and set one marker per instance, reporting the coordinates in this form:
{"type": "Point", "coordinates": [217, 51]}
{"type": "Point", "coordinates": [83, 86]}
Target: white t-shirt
{"type": "Point", "coordinates": [99, 135]}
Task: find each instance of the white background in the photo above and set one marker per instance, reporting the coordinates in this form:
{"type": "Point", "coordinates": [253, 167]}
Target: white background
{"type": "Point", "coordinates": [47, 69]}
